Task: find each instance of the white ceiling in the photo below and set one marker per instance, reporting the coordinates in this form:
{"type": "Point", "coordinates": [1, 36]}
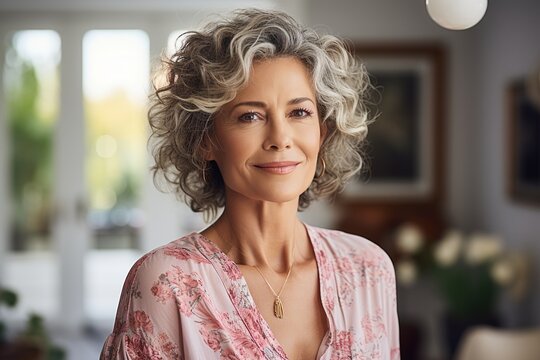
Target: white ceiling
{"type": "Point", "coordinates": [131, 5]}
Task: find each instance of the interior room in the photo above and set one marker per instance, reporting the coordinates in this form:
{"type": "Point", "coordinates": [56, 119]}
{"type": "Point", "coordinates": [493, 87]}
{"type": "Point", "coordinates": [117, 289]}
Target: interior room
{"type": "Point", "coordinates": [450, 188]}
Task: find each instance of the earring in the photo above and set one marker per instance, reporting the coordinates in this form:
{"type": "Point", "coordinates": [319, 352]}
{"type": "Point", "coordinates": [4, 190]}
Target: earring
{"type": "Point", "coordinates": [323, 168]}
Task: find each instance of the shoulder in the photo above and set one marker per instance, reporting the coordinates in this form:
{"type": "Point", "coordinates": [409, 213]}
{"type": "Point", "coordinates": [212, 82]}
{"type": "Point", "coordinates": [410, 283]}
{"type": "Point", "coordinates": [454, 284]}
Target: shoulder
{"type": "Point", "coordinates": [351, 254]}
{"type": "Point", "coordinates": [344, 244]}
{"type": "Point", "coordinates": [184, 254]}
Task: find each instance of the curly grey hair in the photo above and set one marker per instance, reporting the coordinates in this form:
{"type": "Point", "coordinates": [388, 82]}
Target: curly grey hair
{"type": "Point", "coordinates": [213, 64]}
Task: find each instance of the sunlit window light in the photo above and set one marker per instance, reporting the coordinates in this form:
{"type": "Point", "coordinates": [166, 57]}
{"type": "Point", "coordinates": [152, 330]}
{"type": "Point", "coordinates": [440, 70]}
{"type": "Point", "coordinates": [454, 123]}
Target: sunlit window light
{"type": "Point", "coordinates": [110, 64]}
{"type": "Point", "coordinates": [116, 65]}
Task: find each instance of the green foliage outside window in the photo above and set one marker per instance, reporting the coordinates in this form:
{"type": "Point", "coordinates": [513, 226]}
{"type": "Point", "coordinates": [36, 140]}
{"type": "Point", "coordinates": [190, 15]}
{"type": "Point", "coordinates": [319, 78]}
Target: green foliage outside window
{"type": "Point", "coordinates": [31, 158]}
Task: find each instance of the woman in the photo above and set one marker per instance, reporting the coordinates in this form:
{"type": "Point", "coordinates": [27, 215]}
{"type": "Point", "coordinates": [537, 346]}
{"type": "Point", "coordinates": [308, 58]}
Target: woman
{"type": "Point", "coordinates": [259, 117]}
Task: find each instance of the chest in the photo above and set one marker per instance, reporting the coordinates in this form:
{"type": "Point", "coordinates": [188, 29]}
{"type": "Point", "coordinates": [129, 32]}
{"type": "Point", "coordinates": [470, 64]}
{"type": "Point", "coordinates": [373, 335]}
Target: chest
{"type": "Point", "coordinates": [304, 323]}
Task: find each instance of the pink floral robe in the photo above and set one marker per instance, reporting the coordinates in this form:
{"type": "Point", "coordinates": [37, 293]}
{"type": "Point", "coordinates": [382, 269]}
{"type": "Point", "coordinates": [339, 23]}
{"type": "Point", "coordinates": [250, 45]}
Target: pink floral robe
{"type": "Point", "coordinates": [188, 300]}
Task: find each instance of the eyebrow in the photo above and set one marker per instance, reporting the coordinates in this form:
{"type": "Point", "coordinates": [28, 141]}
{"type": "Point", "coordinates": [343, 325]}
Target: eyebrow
{"type": "Point", "coordinates": [262, 104]}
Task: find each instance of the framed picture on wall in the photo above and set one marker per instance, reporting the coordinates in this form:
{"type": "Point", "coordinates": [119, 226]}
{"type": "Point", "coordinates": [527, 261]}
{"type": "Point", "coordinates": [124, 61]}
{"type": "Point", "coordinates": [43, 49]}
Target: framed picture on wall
{"type": "Point", "coordinates": [523, 144]}
{"type": "Point", "coordinates": [403, 153]}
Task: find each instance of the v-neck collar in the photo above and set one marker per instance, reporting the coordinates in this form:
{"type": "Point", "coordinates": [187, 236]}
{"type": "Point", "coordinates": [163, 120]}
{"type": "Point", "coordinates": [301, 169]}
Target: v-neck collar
{"type": "Point", "coordinates": [247, 298]}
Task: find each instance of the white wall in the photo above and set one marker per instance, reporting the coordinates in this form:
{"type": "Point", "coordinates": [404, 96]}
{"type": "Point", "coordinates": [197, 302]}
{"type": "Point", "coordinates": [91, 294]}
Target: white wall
{"type": "Point", "coordinates": [128, 5]}
{"type": "Point", "coordinates": [481, 61]}
{"type": "Point", "coordinates": [394, 21]}
{"type": "Point", "coordinates": [407, 21]}
{"type": "Point", "coordinates": [509, 44]}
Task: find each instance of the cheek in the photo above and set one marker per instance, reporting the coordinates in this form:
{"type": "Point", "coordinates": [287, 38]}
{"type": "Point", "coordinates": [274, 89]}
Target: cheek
{"type": "Point", "coordinates": [233, 150]}
{"type": "Point", "coordinates": [312, 141]}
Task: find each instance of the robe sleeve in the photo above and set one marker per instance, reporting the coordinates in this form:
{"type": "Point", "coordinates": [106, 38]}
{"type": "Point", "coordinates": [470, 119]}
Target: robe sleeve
{"type": "Point", "coordinates": [390, 310]}
{"type": "Point", "coordinates": [147, 324]}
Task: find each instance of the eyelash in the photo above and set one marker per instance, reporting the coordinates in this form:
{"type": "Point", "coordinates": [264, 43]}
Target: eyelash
{"type": "Point", "coordinates": [249, 113]}
{"type": "Point", "coordinates": [308, 113]}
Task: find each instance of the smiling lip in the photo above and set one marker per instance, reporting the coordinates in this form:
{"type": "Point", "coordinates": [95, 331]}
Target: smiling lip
{"type": "Point", "coordinates": [278, 167]}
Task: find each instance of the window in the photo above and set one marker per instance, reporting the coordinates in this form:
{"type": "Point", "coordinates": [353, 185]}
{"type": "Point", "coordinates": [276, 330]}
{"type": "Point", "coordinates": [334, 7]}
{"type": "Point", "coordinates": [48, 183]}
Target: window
{"type": "Point", "coordinates": [31, 84]}
{"type": "Point", "coordinates": [115, 82]}
{"type": "Point", "coordinates": [116, 70]}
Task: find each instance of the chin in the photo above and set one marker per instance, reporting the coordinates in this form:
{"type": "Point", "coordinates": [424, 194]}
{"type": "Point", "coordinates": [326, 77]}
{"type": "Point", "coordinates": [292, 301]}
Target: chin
{"type": "Point", "coordinates": [270, 192]}
{"type": "Point", "coordinates": [280, 195]}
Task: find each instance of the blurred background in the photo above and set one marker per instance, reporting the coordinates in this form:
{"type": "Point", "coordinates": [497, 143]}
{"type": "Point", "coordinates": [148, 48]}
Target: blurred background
{"type": "Point", "coordinates": [451, 188]}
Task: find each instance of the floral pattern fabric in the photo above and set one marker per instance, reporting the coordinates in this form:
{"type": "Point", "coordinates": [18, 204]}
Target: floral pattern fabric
{"type": "Point", "coordinates": [188, 300]}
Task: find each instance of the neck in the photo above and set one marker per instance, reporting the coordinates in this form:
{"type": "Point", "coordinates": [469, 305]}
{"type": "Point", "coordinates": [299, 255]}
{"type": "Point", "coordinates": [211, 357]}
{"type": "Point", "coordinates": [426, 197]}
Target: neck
{"type": "Point", "coordinates": [259, 234]}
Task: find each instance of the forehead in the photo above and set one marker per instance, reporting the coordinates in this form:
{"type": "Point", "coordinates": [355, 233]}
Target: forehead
{"type": "Point", "coordinates": [281, 73]}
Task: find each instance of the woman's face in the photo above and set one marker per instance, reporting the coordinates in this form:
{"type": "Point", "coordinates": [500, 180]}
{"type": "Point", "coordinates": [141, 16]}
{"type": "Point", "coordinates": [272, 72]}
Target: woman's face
{"type": "Point", "coordinates": [268, 137]}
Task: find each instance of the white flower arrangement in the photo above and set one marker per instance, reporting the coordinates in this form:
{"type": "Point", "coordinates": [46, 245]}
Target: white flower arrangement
{"type": "Point", "coordinates": [409, 242]}
{"type": "Point", "coordinates": [409, 239]}
{"type": "Point", "coordinates": [447, 251]}
{"type": "Point", "coordinates": [469, 271]}
{"type": "Point", "coordinates": [482, 248]}
{"type": "Point", "coordinates": [406, 272]}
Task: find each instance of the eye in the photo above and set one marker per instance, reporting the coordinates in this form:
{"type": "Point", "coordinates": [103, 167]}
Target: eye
{"type": "Point", "coordinates": [250, 116]}
{"type": "Point", "coordinates": [301, 113]}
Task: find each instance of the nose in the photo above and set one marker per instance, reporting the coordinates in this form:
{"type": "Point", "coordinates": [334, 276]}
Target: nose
{"type": "Point", "coordinates": [278, 134]}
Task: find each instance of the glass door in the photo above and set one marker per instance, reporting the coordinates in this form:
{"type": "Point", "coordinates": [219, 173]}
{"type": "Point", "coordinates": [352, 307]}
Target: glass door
{"type": "Point", "coordinates": [116, 72]}
{"type": "Point", "coordinates": [31, 88]}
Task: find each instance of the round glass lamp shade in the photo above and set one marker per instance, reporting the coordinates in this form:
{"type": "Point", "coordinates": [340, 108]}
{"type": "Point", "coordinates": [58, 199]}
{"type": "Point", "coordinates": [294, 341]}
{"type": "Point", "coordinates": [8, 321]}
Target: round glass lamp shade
{"type": "Point", "coordinates": [456, 14]}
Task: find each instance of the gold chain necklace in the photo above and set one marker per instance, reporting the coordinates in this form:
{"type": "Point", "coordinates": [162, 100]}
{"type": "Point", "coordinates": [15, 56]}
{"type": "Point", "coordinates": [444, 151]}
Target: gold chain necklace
{"type": "Point", "coordinates": [278, 304]}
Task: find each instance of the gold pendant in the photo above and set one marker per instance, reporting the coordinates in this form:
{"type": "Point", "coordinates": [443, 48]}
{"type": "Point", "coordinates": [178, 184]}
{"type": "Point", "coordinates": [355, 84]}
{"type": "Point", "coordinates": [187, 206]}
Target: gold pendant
{"type": "Point", "coordinates": [278, 308]}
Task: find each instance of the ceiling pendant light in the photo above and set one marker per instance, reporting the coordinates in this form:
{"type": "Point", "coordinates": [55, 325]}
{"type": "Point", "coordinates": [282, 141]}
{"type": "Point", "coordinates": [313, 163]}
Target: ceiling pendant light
{"type": "Point", "coordinates": [456, 14]}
